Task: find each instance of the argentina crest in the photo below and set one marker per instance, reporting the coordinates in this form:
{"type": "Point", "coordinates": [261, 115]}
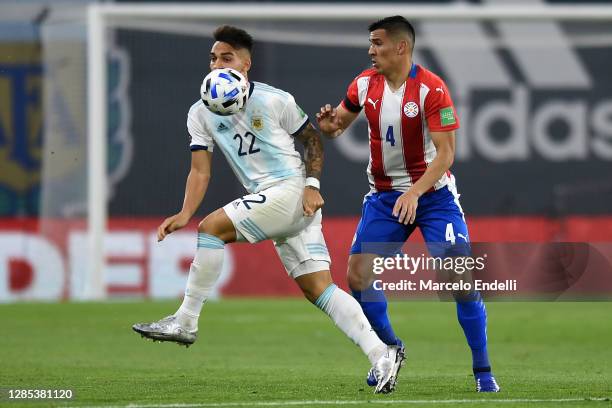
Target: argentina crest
{"type": "Point", "coordinates": [257, 122]}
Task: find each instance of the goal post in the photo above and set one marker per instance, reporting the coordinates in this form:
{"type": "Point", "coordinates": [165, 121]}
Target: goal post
{"type": "Point", "coordinates": [152, 17]}
{"type": "Point", "coordinates": [97, 216]}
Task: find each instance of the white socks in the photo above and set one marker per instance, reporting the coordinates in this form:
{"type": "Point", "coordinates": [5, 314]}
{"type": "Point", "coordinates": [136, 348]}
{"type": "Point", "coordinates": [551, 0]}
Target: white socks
{"type": "Point", "coordinates": [341, 307]}
{"type": "Point", "coordinates": [347, 315]}
{"type": "Point", "coordinates": [203, 274]}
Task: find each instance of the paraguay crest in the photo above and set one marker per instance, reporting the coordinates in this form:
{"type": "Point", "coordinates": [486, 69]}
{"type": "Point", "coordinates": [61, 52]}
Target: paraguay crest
{"type": "Point", "coordinates": [411, 109]}
{"type": "Point", "coordinates": [257, 122]}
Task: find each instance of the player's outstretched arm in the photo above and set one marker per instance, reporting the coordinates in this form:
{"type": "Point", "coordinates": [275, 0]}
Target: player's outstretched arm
{"type": "Point", "coordinates": [406, 204]}
{"type": "Point", "coordinates": [334, 121]}
{"type": "Point", "coordinates": [313, 158]}
{"type": "Point", "coordinates": [195, 189]}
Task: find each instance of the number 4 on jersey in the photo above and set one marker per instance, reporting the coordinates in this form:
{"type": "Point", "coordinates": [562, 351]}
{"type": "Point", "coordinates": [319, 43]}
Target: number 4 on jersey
{"type": "Point", "coordinates": [389, 137]}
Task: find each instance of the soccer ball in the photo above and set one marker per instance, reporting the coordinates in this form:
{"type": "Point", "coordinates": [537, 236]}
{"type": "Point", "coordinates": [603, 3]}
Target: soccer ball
{"type": "Point", "coordinates": [224, 91]}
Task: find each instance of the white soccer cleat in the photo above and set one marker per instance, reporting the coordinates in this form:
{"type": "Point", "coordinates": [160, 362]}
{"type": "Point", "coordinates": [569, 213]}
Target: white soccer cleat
{"type": "Point", "coordinates": [387, 368]}
{"type": "Point", "coordinates": [167, 329]}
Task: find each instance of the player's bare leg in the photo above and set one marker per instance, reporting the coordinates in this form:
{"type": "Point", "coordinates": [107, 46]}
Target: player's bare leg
{"type": "Point", "coordinates": [314, 284]}
{"type": "Point", "coordinates": [359, 274]}
{"type": "Point", "coordinates": [182, 327]}
{"type": "Point", "coordinates": [219, 225]}
{"type": "Point", "coordinates": [347, 315]}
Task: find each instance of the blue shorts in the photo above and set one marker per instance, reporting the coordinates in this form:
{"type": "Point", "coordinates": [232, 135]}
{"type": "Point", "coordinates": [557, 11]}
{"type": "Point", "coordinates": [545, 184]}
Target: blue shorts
{"type": "Point", "coordinates": [439, 216]}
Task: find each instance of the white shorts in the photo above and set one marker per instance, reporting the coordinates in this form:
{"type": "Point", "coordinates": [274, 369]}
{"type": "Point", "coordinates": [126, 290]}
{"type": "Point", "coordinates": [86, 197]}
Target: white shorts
{"type": "Point", "coordinates": [276, 213]}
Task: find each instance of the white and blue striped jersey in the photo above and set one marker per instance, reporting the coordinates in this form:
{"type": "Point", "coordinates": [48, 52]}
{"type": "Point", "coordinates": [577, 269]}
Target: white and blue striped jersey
{"type": "Point", "coordinates": [257, 141]}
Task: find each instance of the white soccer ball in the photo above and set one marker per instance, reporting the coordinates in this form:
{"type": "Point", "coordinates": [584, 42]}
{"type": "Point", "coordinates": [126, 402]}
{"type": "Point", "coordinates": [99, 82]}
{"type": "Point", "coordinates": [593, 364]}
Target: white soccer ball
{"type": "Point", "coordinates": [224, 91]}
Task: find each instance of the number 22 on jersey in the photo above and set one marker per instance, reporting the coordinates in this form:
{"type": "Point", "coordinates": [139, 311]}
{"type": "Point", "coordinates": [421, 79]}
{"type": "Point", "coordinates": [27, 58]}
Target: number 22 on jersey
{"type": "Point", "coordinates": [244, 142]}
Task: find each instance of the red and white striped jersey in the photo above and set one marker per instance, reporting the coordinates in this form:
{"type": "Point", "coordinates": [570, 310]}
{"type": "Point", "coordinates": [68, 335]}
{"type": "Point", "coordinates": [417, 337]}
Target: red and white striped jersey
{"type": "Point", "coordinates": [399, 124]}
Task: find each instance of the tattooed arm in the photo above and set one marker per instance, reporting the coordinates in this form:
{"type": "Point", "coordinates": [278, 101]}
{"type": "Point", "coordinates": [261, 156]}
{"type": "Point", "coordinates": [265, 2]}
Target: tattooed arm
{"type": "Point", "coordinates": [313, 157]}
{"type": "Point", "coordinates": [313, 151]}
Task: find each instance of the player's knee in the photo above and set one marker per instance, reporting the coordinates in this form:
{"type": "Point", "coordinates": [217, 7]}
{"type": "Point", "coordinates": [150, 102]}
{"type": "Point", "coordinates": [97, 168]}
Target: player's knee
{"type": "Point", "coordinates": [209, 226]}
{"type": "Point", "coordinates": [311, 294]}
{"type": "Point", "coordinates": [356, 282]}
{"type": "Point", "coordinates": [314, 284]}
{"type": "Point", "coordinates": [359, 274]}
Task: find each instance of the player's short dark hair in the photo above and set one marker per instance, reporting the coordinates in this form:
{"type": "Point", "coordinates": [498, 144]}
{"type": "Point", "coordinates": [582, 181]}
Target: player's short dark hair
{"type": "Point", "coordinates": [394, 25]}
{"type": "Point", "coordinates": [234, 36]}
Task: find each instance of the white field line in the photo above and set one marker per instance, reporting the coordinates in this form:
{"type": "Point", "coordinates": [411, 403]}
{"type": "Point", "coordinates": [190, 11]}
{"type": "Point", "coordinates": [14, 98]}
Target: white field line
{"type": "Point", "coordinates": [345, 402]}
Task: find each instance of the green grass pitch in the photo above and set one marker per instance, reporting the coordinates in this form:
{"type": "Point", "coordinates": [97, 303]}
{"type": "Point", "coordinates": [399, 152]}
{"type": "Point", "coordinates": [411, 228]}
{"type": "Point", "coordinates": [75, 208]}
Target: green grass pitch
{"type": "Point", "coordinates": [286, 352]}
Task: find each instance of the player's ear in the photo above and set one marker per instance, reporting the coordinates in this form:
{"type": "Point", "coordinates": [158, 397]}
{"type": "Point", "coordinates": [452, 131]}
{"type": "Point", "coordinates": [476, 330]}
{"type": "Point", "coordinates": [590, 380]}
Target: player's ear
{"type": "Point", "coordinates": [247, 64]}
{"type": "Point", "coordinates": [402, 47]}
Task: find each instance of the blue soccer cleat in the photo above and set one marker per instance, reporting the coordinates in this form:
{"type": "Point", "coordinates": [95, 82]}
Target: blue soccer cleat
{"type": "Point", "coordinates": [485, 381]}
{"type": "Point", "coordinates": [371, 379]}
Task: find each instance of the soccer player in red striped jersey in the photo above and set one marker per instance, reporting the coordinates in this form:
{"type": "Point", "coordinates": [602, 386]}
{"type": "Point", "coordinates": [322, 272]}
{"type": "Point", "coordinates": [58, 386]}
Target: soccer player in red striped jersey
{"type": "Point", "coordinates": [411, 126]}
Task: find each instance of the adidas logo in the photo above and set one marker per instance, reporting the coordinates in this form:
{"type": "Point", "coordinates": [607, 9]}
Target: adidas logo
{"type": "Point", "coordinates": [222, 127]}
{"type": "Point", "coordinates": [528, 105]}
{"type": "Point", "coordinates": [523, 92]}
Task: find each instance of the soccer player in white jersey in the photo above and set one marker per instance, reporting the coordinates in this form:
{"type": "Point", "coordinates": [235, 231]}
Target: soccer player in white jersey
{"type": "Point", "coordinates": [411, 127]}
{"type": "Point", "coordinates": [283, 205]}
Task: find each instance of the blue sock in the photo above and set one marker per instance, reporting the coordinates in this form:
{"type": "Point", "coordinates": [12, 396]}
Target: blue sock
{"type": "Point", "coordinates": [472, 317]}
{"type": "Point", "coordinates": [374, 305]}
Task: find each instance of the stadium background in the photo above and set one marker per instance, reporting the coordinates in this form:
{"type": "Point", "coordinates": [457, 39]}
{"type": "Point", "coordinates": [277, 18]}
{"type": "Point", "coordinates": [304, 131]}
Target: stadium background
{"type": "Point", "coordinates": [529, 183]}
{"type": "Point", "coordinates": [533, 158]}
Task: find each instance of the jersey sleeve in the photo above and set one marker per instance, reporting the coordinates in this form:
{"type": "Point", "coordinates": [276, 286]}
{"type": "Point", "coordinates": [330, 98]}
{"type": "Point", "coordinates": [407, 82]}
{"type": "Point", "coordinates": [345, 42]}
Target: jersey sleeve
{"type": "Point", "coordinates": [439, 109]}
{"type": "Point", "coordinates": [199, 137]}
{"type": "Point", "coordinates": [292, 118]}
{"type": "Point", "coordinates": [351, 100]}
